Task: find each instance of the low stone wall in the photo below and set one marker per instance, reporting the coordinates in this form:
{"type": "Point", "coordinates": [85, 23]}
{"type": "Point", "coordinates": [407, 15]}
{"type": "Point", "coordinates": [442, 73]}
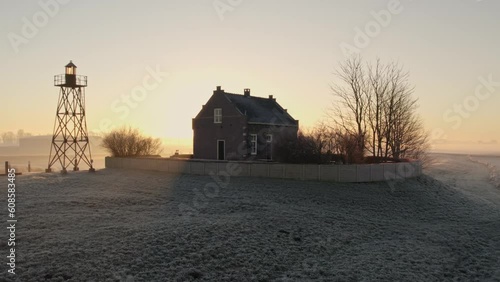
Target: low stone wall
{"type": "Point", "coordinates": [334, 173]}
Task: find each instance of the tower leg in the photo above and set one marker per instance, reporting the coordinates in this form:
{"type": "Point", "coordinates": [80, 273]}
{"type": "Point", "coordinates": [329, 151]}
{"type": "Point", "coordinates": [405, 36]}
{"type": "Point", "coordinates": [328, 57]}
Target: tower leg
{"type": "Point", "coordinates": [91, 169]}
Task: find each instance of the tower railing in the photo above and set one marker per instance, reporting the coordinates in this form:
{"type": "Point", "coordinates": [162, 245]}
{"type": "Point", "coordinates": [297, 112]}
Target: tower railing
{"type": "Point", "coordinates": [61, 80]}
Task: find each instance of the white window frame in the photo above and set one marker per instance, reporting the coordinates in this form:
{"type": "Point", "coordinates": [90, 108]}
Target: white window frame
{"type": "Point", "coordinates": [253, 144]}
{"type": "Point", "coordinates": [218, 115]}
{"type": "Point", "coordinates": [269, 138]}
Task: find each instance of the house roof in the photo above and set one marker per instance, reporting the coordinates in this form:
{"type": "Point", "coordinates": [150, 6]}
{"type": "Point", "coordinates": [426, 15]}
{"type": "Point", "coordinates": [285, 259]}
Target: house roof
{"type": "Point", "coordinates": [261, 110]}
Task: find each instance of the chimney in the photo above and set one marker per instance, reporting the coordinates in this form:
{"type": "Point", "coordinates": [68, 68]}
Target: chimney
{"type": "Point", "coordinates": [246, 92]}
{"type": "Point", "coordinates": [219, 89]}
{"type": "Point", "coordinates": [270, 97]}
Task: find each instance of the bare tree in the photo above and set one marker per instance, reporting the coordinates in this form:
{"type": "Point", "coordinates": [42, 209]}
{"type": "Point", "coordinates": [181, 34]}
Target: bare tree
{"type": "Point", "coordinates": [8, 138]}
{"type": "Point", "coordinates": [379, 82]}
{"type": "Point", "coordinates": [350, 110]}
{"type": "Point", "coordinates": [22, 134]}
{"type": "Point", "coordinates": [375, 109]}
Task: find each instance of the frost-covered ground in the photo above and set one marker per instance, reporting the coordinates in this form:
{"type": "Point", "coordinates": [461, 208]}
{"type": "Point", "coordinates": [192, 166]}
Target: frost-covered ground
{"type": "Point", "coordinates": [121, 225]}
{"type": "Point", "coordinates": [493, 165]}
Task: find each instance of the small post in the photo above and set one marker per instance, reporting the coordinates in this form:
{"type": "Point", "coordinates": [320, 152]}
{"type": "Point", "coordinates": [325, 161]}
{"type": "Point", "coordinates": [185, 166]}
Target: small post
{"type": "Point", "coordinates": [29, 166]}
{"type": "Point", "coordinates": [6, 167]}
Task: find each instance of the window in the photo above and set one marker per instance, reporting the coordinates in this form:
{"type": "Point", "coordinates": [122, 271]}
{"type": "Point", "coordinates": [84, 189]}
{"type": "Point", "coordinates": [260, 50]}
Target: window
{"type": "Point", "coordinates": [269, 138]}
{"type": "Point", "coordinates": [218, 115]}
{"type": "Point", "coordinates": [253, 143]}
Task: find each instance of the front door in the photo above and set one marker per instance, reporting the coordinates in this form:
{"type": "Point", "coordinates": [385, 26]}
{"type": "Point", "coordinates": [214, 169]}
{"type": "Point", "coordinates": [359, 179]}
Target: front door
{"type": "Point", "coordinates": [221, 150]}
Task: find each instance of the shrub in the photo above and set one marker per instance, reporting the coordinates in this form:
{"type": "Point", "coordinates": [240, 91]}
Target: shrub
{"type": "Point", "coordinates": [302, 149]}
{"type": "Point", "coordinates": [128, 142]}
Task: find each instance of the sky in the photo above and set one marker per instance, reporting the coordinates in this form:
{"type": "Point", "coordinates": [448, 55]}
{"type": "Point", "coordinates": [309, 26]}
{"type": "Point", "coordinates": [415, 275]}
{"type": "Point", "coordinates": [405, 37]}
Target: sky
{"type": "Point", "coordinates": [153, 64]}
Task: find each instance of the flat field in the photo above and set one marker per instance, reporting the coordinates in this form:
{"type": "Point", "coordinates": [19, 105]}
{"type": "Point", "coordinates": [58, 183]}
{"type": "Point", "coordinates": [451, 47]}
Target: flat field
{"type": "Point", "coordinates": [123, 225]}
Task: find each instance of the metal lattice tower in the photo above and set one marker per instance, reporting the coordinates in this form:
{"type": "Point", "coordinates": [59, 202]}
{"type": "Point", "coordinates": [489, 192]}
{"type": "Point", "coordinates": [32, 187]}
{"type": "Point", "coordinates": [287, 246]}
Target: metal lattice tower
{"type": "Point", "coordinates": [70, 141]}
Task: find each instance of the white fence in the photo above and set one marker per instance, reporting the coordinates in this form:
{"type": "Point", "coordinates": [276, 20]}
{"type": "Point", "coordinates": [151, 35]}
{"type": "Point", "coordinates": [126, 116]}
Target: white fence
{"type": "Point", "coordinates": [334, 173]}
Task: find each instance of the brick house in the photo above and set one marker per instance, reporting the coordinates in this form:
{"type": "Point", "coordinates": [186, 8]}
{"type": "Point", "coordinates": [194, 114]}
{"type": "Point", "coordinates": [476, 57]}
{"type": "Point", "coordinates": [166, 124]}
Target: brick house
{"type": "Point", "coordinates": [240, 127]}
